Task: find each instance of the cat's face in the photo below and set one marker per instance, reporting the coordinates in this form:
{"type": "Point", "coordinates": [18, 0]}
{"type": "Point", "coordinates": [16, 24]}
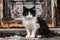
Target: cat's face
{"type": "Point", "coordinates": [29, 12]}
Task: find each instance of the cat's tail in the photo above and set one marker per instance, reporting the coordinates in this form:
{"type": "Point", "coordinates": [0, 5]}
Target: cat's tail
{"type": "Point", "coordinates": [44, 29]}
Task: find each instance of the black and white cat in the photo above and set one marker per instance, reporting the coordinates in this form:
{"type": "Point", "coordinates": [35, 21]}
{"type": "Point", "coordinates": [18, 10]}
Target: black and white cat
{"type": "Point", "coordinates": [34, 24]}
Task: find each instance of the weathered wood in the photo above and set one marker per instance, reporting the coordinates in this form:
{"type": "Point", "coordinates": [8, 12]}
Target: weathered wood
{"type": "Point", "coordinates": [53, 38]}
{"type": "Point", "coordinates": [53, 3]}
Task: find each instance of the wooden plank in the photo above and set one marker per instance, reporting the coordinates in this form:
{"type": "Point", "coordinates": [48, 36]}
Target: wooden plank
{"type": "Point", "coordinates": [53, 8]}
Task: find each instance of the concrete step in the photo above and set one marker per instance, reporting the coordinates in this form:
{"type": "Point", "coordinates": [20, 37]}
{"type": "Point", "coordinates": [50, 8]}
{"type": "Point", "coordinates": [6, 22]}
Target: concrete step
{"type": "Point", "coordinates": [57, 30]}
{"type": "Point", "coordinates": [19, 30]}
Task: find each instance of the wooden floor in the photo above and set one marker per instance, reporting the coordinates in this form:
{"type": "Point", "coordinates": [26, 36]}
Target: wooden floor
{"type": "Point", "coordinates": [11, 30]}
{"type": "Point", "coordinates": [53, 38]}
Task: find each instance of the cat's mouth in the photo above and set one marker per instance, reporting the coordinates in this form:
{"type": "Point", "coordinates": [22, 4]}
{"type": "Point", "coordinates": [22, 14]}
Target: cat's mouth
{"type": "Point", "coordinates": [28, 18]}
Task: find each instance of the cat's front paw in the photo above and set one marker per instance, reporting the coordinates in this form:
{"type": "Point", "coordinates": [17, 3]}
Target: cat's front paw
{"type": "Point", "coordinates": [27, 35]}
{"type": "Point", "coordinates": [32, 36]}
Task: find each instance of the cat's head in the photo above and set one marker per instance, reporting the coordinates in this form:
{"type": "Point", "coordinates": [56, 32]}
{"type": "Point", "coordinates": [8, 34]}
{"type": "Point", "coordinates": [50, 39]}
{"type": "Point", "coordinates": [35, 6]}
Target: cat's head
{"type": "Point", "coordinates": [29, 12]}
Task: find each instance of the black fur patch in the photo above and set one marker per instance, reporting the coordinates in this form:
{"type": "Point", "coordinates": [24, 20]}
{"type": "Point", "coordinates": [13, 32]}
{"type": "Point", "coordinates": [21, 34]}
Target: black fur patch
{"type": "Point", "coordinates": [43, 30]}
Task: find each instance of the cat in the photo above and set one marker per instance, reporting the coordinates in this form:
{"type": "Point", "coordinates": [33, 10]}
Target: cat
{"type": "Point", "coordinates": [34, 25]}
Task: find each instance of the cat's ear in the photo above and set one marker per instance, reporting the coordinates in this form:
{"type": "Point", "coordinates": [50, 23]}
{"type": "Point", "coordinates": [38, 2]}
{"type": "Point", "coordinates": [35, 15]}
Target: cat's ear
{"type": "Point", "coordinates": [33, 8]}
{"type": "Point", "coordinates": [24, 7]}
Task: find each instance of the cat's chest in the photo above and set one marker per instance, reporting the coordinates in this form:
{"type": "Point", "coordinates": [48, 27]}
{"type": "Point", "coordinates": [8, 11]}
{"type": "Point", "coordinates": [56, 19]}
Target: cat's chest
{"type": "Point", "coordinates": [32, 21]}
{"type": "Point", "coordinates": [30, 24]}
